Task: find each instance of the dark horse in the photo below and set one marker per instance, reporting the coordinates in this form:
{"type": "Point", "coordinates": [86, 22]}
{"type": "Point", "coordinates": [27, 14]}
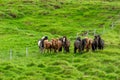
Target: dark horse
{"type": "Point", "coordinates": [83, 44]}
{"type": "Point", "coordinates": [66, 44]}
{"type": "Point", "coordinates": [41, 43]}
{"type": "Point", "coordinates": [78, 45]}
{"type": "Point", "coordinates": [95, 43]}
{"type": "Point", "coordinates": [100, 43]}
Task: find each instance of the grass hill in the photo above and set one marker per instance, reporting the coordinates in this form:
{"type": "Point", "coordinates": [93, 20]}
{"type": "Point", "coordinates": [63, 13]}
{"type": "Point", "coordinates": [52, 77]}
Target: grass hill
{"type": "Point", "coordinates": [24, 22]}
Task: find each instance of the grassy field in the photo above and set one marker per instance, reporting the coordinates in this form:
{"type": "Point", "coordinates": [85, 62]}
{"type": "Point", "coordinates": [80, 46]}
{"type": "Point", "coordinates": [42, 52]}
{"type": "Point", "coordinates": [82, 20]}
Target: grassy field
{"type": "Point", "coordinates": [24, 22]}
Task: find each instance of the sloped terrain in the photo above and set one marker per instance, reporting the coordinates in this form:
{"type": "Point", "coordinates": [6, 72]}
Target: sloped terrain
{"type": "Point", "coordinates": [24, 22]}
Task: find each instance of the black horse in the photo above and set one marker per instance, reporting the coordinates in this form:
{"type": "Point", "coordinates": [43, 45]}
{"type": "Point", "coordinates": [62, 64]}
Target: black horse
{"type": "Point", "coordinates": [66, 44]}
{"type": "Point", "coordinates": [78, 45]}
{"type": "Point", "coordinates": [100, 43]}
{"type": "Point", "coordinates": [95, 43]}
{"type": "Point", "coordinates": [83, 44]}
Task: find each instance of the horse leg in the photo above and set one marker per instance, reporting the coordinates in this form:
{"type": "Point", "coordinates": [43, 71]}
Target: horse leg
{"type": "Point", "coordinates": [50, 50]}
{"type": "Point", "coordinates": [47, 50]}
{"type": "Point", "coordinates": [41, 49]}
{"type": "Point", "coordinates": [87, 48]}
{"type": "Point", "coordinates": [75, 49]}
{"type": "Point", "coordinates": [60, 49]}
{"type": "Point", "coordinates": [80, 49]}
{"type": "Point", "coordinates": [83, 48]}
{"type": "Point", "coordinates": [55, 50]}
{"type": "Point", "coordinates": [102, 47]}
{"type": "Point", "coordinates": [68, 49]}
{"type": "Point", "coordinates": [93, 47]}
{"type": "Point", "coordinates": [44, 50]}
{"type": "Point", "coordinates": [64, 49]}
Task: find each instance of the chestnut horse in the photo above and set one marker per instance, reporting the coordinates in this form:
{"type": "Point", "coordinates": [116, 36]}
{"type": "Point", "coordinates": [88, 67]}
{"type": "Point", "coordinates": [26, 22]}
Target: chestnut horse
{"type": "Point", "coordinates": [88, 44]}
{"type": "Point", "coordinates": [56, 45]}
{"type": "Point", "coordinates": [47, 46]}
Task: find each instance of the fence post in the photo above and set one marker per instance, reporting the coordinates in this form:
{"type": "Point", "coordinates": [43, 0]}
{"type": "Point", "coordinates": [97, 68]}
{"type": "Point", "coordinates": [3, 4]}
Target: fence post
{"type": "Point", "coordinates": [119, 34]}
{"type": "Point", "coordinates": [73, 59]}
{"type": "Point", "coordinates": [87, 33]}
{"type": "Point", "coordinates": [10, 54]}
{"type": "Point", "coordinates": [112, 25]}
{"type": "Point", "coordinates": [26, 52]}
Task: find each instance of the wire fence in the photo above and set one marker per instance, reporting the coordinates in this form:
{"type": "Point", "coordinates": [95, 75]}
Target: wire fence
{"type": "Point", "coordinates": [10, 54]}
{"type": "Point", "coordinates": [104, 30]}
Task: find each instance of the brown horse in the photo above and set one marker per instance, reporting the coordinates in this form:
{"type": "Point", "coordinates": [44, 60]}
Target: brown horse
{"type": "Point", "coordinates": [47, 46]}
{"type": "Point", "coordinates": [56, 45]}
{"type": "Point", "coordinates": [88, 44]}
{"type": "Point", "coordinates": [60, 45]}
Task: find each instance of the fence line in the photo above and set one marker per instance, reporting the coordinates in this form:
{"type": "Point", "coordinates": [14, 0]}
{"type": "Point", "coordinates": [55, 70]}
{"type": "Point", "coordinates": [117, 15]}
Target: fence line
{"type": "Point", "coordinates": [26, 52]}
{"type": "Point", "coordinates": [15, 53]}
{"type": "Point", "coordinates": [10, 54]}
{"type": "Point", "coordinates": [93, 32]}
{"type": "Point", "coordinates": [97, 31]}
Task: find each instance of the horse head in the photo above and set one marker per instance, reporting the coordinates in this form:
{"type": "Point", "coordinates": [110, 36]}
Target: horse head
{"type": "Point", "coordinates": [78, 38]}
{"type": "Point", "coordinates": [99, 38]}
{"type": "Point", "coordinates": [64, 39]}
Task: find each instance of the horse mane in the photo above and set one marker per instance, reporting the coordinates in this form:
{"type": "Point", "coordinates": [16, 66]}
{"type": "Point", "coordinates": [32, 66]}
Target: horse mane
{"type": "Point", "coordinates": [99, 38]}
{"type": "Point", "coordinates": [78, 38]}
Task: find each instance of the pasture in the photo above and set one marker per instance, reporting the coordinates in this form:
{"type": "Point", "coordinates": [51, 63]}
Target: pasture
{"type": "Point", "coordinates": [24, 22]}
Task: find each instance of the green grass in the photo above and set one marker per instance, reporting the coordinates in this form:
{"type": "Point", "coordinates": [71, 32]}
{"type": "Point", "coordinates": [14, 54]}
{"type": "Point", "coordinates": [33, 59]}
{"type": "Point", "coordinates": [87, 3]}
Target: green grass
{"type": "Point", "coordinates": [23, 23]}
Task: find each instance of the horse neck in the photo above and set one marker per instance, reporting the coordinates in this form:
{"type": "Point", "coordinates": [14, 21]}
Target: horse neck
{"type": "Point", "coordinates": [99, 39]}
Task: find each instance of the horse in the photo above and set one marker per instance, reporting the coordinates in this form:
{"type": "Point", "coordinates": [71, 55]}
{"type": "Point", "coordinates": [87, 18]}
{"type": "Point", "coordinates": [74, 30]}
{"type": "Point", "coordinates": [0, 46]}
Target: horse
{"type": "Point", "coordinates": [83, 44]}
{"type": "Point", "coordinates": [41, 43]}
{"type": "Point", "coordinates": [66, 44]}
{"type": "Point", "coordinates": [78, 45]}
{"type": "Point", "coordinates": [100, 43]}
{"type": "Point", "coordinates": [56, 45]}
{"type": "Point", "coordinates": [95, 43]}
{"type": "Point", "coordinates": [47, 46]}
{"type": "Point", "coordinates": [60, 44]}
{"type": "Point", "coordinates": [87, 44]}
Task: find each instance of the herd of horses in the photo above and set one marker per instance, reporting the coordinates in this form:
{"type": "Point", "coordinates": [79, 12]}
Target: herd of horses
{"type": "Point", "coordinates": [80, 45]}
